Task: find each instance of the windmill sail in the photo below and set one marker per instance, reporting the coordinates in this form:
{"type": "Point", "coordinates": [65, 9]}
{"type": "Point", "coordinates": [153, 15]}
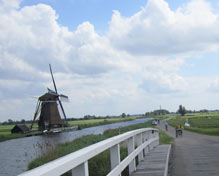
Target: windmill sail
{"type": "Point", "coordinates": [63, 98]}
{"type": "Point", "coordinates": [53, 79]}
{"type": "Point", "coordinates": [51, 91]}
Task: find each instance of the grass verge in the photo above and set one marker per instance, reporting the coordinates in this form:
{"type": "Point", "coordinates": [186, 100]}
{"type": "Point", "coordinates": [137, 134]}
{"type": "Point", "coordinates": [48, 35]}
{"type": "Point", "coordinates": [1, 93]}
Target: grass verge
{"type": "Point", "coordinates": [97, 122]}
{"type": "Point", "coordinates": [5, 137]}
{"type": "Point", "coordinates": [165, 139]}
{"type": "Point", "coordinates": [207, 123]}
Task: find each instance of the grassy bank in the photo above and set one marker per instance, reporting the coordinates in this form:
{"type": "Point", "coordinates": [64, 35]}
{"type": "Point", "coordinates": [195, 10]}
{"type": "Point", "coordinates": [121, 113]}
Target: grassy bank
{"type": "Point", "coordinates": [5, 133]}
{"type": "Point", "coordinates": [165, 139]}
{"type": "Point", "coordinates": [98, 165]}
{"type": "Point", "coordinates": [5, 130]}
{"type": "Point", "coordinates": [203, 123]}
{"type": "Point", "coordinates": [97, 122]}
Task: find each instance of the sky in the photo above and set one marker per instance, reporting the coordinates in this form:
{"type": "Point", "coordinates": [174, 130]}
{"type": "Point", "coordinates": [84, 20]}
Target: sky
{"type": "Point", "coordinates": [109, 57]}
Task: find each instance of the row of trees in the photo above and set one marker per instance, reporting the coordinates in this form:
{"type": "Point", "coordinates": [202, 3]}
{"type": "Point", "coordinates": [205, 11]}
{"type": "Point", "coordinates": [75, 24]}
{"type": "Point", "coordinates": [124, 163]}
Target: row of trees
{"type": "Point", "coordinates": [123, 115]}
{"type": "Point", "coordinates": [12, 122]}
{"type": "Point", "coordinates": [182, 110]}
{"type": "Point", "coordinates": [157, 112]}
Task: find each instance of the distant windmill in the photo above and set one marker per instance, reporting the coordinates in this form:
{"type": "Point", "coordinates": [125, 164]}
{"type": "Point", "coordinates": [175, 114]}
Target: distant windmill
{"type": "Point", "coordinates": [47, 107]}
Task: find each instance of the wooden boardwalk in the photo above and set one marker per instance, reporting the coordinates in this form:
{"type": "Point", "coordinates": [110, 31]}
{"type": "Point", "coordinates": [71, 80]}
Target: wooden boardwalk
{"type": "Point", "coordinates": [155, 163]}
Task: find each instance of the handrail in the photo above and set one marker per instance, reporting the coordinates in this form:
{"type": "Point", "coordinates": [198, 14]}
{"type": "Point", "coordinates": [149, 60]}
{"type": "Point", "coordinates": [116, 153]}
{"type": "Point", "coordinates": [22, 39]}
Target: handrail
{"type": "Point", "coordinates": [77, 161]}
{"type": "Point", "coordinates": [117, 170]}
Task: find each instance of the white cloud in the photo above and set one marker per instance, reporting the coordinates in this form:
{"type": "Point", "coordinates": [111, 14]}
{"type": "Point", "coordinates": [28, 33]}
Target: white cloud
{"type": "Point", "coordinates": [106, 74]}
{"type": "Point", "coordinates": [157, 30]}
{"type": "Point", "coordinates": [6, 6]}
{"type": "Point", "coordinates": [164, 84]}
{"type": "Point", "coordinates": [213, 86]}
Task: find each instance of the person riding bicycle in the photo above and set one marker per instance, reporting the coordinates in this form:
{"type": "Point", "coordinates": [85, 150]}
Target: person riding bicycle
{"type": "Point", "coordinates": [166, 126]}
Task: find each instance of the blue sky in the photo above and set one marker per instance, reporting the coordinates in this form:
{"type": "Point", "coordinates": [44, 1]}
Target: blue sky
{"type": "Point", "coordinates": [109, 57]}
{"type": "Point", "coordinates": [98, 12]}
{"type": "Point", "coordinates": [205, 65]}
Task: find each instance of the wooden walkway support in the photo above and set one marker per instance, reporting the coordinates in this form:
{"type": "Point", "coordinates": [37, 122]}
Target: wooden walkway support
{"type": "Point", "coordinates": [155, 162]}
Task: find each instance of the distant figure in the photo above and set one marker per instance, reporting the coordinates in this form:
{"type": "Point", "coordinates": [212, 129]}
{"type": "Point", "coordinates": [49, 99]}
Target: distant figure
{"type": "Point", "coordinates": [177, 130]}
{"type": "Point", "coordinates": [181, 130]}
{"type": "Point", "coordinates": [158, 121]}
{"type": "Point", "coordinates": [166, 126]}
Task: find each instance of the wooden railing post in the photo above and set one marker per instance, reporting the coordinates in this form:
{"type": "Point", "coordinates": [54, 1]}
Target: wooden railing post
{"type": "Point", "coordinates": [139, 142]}
{"type": "Point", "coordinates": [131, 147]}
{"type": "Point", "coordinates": [157, 135]}
{"type": "Point", "coordinates": [151, 146]}
{"type": "Point", "coordinates": [145, 138]}
{"type": "Point", "coordinates": [114, 156]}
{"type": "Point", "coordinates": [81, 170]}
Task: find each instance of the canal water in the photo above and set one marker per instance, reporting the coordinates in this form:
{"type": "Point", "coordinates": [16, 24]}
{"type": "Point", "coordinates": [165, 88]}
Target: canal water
{"type": "Point", "coordinates": [17, 153]}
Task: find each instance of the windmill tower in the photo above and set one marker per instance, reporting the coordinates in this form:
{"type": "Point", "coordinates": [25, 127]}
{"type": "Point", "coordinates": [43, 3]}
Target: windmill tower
{"type": "Point", "coordinates": [47, 109]}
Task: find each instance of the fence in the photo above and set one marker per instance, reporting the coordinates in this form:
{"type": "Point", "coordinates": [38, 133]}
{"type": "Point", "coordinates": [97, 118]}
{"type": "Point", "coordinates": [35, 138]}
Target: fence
{"type": "Point", "coordinates": [139, 142]}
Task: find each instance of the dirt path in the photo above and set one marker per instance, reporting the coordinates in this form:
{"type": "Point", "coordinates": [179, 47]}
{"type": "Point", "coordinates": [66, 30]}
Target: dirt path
{"type": "Point", "coordinates": [194, 154]}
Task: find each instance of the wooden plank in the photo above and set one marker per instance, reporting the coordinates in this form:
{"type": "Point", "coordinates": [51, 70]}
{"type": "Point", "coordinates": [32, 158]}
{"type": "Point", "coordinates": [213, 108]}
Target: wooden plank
{"type": "Point", "coordinates": [155, 162]}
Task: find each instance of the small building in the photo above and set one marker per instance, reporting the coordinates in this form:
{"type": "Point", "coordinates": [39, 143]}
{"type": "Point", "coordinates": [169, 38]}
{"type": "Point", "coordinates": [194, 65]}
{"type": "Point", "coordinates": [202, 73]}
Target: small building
{"type": "Point", "coordinates": [20, 129]}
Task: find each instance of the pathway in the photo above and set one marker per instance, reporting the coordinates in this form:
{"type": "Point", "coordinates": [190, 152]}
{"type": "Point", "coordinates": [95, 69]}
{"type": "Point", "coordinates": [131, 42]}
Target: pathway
{"type": "Point", "coordinates": [194, 154]}
{"type": "Point", "coordinates": [155, 162]}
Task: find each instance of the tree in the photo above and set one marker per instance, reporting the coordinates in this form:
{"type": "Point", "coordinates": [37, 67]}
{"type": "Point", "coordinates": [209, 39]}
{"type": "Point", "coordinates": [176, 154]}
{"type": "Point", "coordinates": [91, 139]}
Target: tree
{"type": "Point", "coordinates": [10, 121]}
{"type": "Point", "coordinates": [23, 121]}
{"type": "Point", "coordinates": [182, 110]}
{"type": "Point", "coordinates": [123, 115]}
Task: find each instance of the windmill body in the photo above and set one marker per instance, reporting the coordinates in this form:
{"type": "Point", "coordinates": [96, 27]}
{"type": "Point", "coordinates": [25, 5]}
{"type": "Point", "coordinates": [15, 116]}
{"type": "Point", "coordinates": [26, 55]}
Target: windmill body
{"type": "Point", "coordinates": [49, 114]}
{"type": "Point", "coordinates": [47, 110]}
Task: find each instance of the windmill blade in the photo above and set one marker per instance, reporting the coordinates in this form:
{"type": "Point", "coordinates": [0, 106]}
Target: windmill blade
{"type": "Point", "coordinates": [62, 110]}
{"type": "Point", "coordinates": [53, 79]}
{"type": "Point", "coordinates": [57, 94]}
{"type": "Point", "coordinates": [35, 97]}
{"type": "Point", "coordinates": [35, 114]}
{"type": "Point", "coordinates": [64, 98]}
{"type": "Point", "coordinates": [52, 92]}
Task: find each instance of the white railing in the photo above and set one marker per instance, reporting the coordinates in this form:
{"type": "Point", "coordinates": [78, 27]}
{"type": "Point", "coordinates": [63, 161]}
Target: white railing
{"type": "Point", "coordinates": [144, 139]}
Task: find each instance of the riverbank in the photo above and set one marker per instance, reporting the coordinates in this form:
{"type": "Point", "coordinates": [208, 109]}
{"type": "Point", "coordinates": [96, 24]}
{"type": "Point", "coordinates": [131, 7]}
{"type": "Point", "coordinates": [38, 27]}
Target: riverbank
{"type": "Point", "coordinates": [5, 130]}
{"type": "Point", "coordinates": [100, 161]}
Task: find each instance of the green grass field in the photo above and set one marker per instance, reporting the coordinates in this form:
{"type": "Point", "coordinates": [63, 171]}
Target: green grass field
{"type": "Point", "coordinates": [203, 123]}
{"type": "Point", "coordinates": [5, 130]}
{"type": "Point", "coordinates": [95, 121]}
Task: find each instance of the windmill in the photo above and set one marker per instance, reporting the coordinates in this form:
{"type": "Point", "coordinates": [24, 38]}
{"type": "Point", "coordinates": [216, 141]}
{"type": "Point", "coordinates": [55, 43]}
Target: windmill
{"type": "Point", "coordinates": [47, 109]}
